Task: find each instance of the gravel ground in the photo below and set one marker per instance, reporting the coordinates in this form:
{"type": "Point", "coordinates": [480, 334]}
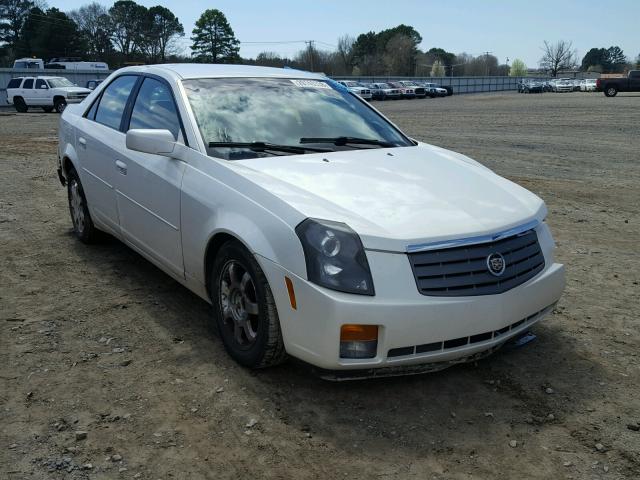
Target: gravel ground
{"type": "Point", "coordinates": [108, 369]}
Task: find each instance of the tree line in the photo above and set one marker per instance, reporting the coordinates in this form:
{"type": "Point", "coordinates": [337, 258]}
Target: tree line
{"type": "Point", "coordinates": [128, 32]}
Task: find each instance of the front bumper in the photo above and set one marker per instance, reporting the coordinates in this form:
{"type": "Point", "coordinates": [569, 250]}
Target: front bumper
{"type": "Point", "coordinates": [408, 321]}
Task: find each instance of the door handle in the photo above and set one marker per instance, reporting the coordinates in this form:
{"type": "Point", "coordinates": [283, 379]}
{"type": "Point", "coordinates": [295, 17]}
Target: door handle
{"type": "Point", "coordinates": [82, 142]}
{"type": "Point", "coordinates": [121, 166]}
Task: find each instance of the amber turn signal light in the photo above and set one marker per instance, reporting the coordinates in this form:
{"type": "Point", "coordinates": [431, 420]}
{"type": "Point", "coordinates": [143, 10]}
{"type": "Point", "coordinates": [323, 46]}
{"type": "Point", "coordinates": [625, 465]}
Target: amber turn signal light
{"type": "Point", "coordinates": [292, 293]}
{"type": "Point", "coordinates": [358, 333]}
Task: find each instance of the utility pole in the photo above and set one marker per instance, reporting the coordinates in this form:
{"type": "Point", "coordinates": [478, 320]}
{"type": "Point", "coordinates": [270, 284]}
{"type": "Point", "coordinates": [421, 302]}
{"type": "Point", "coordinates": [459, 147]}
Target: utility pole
{"type": "Point", "coordinates": [310, 50]}
{"type": "Point", "coordinates": [486, 62]}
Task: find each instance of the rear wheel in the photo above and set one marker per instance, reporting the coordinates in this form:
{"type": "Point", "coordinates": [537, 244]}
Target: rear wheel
{"type": "Point", "coordinates": [60, 104]}
{"type": "Point", "coordinates": [611, 91]}
{"type": "Point", "coordinates": [83, 227]}
{"type": "Point", "coordinates": [47, 109]}
{"type": "Point", "coordinates": [20, 105]}
{"type": "Point", "coordinates": [244, 308]}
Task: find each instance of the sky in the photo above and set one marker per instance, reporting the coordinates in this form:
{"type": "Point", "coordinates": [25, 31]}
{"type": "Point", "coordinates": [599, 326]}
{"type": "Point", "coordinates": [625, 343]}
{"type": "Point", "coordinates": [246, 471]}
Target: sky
{"type": "Point", "coordinates": [507, 29]}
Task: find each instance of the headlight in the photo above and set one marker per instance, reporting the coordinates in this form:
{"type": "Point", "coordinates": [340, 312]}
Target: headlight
{"type": "Point", "coordinates": [335, 256]}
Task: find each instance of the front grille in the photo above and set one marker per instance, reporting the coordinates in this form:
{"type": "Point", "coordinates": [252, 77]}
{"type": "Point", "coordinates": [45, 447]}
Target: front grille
{"type": "Point", "coordinates": [443, 346]}
{"type": "Point", "coordinates": [463, 271]}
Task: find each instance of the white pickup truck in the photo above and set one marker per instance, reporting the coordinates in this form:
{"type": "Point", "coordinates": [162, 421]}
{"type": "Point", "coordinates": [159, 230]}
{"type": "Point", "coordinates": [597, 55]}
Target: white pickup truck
{"type": "Point", "coordinates": [46, 92]}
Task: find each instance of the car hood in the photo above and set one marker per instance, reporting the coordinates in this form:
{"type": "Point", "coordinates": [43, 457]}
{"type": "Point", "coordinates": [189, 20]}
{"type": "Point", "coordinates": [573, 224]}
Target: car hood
{"type": "Point", "coordinates": [73, 89]}
{"type": "Point", "coordinates": [395, 197]}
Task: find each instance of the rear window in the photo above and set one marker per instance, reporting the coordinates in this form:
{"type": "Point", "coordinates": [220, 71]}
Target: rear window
{"type": "Point", "coordinates": [14, 83]}
{"type": "Point", "coordinates": [28, 83]}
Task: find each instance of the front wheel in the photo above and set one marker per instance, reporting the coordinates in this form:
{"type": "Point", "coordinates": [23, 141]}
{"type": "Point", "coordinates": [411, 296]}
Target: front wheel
{"type": "Point", "coordinates": [60, 104]}
{"type": "Point", "coordinates": [244, 308]}
{"type": "Point", "coordinates": [610, 91]}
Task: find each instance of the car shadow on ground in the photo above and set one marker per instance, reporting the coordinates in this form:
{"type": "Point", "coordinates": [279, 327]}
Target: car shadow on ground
{"type": "Point", "coordinates": [513, 387]}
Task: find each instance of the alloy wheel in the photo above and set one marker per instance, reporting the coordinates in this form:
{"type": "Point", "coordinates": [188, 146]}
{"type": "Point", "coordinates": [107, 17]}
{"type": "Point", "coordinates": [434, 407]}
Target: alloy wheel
{"type": "Point", "coordinates": [239, 304]}
{"type": "Point", "coordinates": [76, 205]}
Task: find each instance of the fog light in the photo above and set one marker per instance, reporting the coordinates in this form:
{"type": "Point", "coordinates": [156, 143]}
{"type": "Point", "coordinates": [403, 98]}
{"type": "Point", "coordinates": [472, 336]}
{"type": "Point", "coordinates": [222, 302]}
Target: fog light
{"type": "Point", "coordinates": [358, 341]}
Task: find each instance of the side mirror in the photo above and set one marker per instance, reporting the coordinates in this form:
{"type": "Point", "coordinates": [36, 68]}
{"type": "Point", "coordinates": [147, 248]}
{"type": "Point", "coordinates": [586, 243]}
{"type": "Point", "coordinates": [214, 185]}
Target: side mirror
{"type": "Point", "coordinates": [43, 87]}
{"type": "Point", "coordinates": [154, 141]}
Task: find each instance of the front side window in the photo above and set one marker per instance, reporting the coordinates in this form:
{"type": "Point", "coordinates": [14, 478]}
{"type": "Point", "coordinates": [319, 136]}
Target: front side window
{"type": "Point", "coordinates": [28, 83]}
{"type": "Point", "coordinates": [41, 83]}
{"type": "Point", "coordinates": [113, 101]}
{"type": "Point", "coordinates": [155, 108]}
{"type": "Point", "coordinates": [283, 111]}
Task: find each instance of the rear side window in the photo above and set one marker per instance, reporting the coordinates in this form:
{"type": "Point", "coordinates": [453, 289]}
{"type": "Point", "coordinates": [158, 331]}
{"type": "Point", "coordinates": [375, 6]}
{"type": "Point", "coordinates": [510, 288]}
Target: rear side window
{"type": "Point", "coordinates": [114, 100]}
{"type": "Point", "coordinates": [14, 83]}
{"type": "Point", "coordinates": [28, 83]}
{"type": "Point", "coordinates": [155, 108]}
{"type": "Point", "coordinates": [41, 83]}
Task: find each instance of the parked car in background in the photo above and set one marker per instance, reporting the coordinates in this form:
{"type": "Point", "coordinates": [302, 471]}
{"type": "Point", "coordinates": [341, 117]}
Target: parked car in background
{"type": "Point", "coordinates": [448, 88]}
{"type": "Point", "coordinates": [611, 86]}
{"type": "Point", "coordinates": [435, 91]}
{"type": "Point", "coordinates": [533, 87]}
{"type": "Point", "coordinates": [46, 92]}
{"type": "Point", "coordinates": [383, 91]}
{"type": "Point", "coordinates": [357, 88]}
{"type": "Point", "coordinates": [588, 85]}
{"type": "Point", "coordinates": [419, 90]}
{"type": "Point", "coordinates": [92, 84]}
{"type": "Point", "coordinates": [29, 63]}
{"type": "Point", "coordinates": [563, 85]}
{"type": "Point", "coordinates": [312, 224]}
{"type": "Point", "coordinates": [576, 84]}
{"type": "Point", "coordinates": [405, 92]}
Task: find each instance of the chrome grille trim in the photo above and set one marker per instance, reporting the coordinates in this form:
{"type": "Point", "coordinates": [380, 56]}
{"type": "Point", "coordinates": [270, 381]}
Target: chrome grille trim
{"type": "Point", "coordinates": [458, 242]}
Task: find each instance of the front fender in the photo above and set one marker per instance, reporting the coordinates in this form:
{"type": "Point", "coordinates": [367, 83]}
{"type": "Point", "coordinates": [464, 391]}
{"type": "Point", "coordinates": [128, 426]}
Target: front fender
{"type": "Point", "coordinates": [210, 206]}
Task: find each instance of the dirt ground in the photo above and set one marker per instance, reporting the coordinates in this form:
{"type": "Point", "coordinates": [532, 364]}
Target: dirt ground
{"type": "Point", "coordinates": [97, 340]}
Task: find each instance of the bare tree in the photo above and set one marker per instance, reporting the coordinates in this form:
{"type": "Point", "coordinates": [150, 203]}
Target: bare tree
{"type": "Point", "coordinates": [345, 54]}
{"type": "Point", "coordinates": [558, 56]}
{"type": "Point", "coordinates": [399, 55]}
{"type": "Point", "coordinates": [93, 21]}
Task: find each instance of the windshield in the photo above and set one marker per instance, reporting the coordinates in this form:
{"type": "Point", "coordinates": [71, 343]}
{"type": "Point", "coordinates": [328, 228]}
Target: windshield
{"type": "Point", "coordinates": [59, 82]}
{"type": "Point", "coordinates": [282, 112]}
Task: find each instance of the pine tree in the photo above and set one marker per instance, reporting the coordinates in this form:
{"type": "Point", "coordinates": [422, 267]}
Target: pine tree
{"type": "Point", "coordinates": [213, 39]}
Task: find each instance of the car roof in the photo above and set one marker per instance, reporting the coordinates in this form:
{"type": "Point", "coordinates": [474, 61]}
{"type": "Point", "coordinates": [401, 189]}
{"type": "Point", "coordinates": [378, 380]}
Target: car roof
{"type": "Point", "coordinates": [207, 70]}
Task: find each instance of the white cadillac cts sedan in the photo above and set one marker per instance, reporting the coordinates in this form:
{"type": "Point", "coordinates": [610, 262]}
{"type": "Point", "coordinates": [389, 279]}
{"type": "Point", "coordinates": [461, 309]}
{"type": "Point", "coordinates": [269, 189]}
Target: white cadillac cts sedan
{"type": "Point", "coordinates": [310, 222]}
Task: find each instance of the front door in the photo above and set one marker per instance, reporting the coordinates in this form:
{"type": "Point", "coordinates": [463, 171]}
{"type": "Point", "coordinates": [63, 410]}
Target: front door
{"type": "Point", "coordinates": [148, 186]}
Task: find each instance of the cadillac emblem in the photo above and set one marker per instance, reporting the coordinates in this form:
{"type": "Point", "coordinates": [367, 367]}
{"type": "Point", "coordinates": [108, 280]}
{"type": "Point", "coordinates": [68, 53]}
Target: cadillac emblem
{"type": "Point", "coordinates": [496, 264]}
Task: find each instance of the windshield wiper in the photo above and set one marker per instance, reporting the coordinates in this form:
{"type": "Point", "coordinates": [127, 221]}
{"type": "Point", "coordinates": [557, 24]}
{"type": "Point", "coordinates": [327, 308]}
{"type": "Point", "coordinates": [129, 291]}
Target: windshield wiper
{"type": "Point", "coordinates": [341, 141]}
{"type": "Point", "coordinates": [264, 146]}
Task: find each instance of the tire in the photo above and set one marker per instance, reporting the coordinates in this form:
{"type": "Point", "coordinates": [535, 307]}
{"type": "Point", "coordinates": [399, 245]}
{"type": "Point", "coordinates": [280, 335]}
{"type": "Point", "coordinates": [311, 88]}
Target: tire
{"type": "Point", "coordinates": [60, 104]}
{"type": "Point", "coordinates": [20, 105]}
{"type": "Point", "coordinates": [83, 227]}
{"type": "Point", "coordinates": [47, 109]}
{"type": "Point", "coordinates": [244, 309]}
{"type": "Point", "coordinates": [610, 91]}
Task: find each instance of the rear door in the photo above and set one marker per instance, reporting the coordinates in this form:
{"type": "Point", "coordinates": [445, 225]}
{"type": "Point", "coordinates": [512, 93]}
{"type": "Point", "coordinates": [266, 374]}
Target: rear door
{"type": "Point", "coordinates": [148, 186]}
{"type": "Point", "coordinates": [99, 142]}
{"type": "Point", "coordinates": [26, 91]}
